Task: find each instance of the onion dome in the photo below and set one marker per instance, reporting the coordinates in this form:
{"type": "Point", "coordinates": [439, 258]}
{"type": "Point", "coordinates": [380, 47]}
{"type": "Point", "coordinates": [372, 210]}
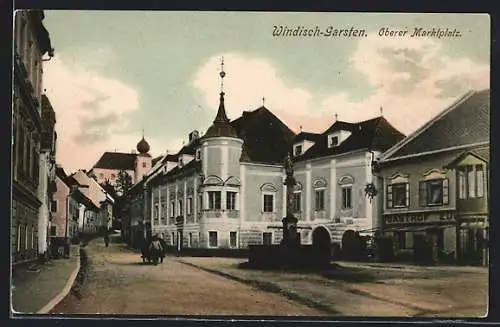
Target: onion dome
{"type": "Point", "coordinates": [143, 146]}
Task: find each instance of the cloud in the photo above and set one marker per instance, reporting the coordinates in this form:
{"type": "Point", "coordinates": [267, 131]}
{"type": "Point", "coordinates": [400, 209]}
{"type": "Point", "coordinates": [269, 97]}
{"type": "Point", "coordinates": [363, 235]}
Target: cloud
{"type": "Point", "coordinates": [247, 81]}
{"type": "Point", "coordinates": [92, 112]}
{"type": "Point", "coordinates": [412, 81]}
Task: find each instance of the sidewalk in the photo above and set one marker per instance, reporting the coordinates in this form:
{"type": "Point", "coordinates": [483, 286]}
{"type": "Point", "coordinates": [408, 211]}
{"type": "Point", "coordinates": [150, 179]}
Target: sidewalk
{"type": "Point", "coordinates": [38, 292]}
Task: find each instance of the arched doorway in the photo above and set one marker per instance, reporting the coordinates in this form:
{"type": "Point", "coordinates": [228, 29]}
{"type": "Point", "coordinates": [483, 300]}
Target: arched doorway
{"type": "Point", "coordinates": [322, 245]}
{"type": "Point", "coordinates": [353, 246]}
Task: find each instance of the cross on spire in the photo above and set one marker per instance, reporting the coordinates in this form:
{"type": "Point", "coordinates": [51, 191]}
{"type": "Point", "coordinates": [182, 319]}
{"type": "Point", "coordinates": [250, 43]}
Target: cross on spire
{"type": "Point", "coordinates": [336, 116]}
{"type": "Point", "coordinates": [300, 128]}
{"type": "Point", "coordinates": [263, 101]}
{"type": "Point", "coordinates": [381, 111]}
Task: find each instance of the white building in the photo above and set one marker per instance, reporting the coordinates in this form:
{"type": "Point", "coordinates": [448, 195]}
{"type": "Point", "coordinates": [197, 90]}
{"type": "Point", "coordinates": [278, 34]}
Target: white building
{"type": "Point", "coordinates": [227, 188]}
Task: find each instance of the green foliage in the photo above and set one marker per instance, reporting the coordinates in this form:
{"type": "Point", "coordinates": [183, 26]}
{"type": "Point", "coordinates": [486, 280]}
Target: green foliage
{"type": "Point", "coordinates": [123, 181]}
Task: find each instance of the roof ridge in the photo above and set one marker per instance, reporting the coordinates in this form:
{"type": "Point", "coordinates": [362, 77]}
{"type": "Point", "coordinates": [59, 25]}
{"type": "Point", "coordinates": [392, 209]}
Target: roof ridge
{"type": "Point", "coordinates": [399, 145]}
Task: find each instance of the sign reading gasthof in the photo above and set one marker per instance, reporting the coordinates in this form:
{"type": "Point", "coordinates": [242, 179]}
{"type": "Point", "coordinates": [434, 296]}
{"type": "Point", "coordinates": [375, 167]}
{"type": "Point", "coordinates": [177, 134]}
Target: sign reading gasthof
{"type": "Point", "coordinates": [419, 217]}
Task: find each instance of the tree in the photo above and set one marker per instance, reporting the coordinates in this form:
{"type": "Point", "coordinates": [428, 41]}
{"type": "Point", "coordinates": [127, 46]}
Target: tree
{"type": "Point", "coordinates": [108, 187]}
{"type": "Point", "coordinates": [123, 182]}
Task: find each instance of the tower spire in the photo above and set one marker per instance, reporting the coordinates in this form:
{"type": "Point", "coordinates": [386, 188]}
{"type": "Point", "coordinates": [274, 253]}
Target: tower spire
{"type": "Point", "coordinates": [222, 75]}
{"type": "Point", "coordinates": [221, 125]}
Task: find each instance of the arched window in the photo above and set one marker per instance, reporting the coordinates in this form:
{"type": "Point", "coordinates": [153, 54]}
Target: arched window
{"type": "Point", "coordinates": [268, 191]}
{"type": "Point", "coordinates": [319, 185]}
{"type": "Point", "coordinates": [346, 182]}
{"type": "Point", "coordinates": [297, 198]}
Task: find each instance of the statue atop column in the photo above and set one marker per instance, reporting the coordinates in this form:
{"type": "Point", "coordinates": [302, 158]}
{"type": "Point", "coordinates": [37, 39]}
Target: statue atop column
{"type": "Point", "coordinates": [290, 236]}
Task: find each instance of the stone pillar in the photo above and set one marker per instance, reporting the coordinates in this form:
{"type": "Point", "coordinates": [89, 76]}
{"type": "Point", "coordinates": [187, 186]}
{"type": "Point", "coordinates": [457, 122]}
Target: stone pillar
{"type": "Point", "coordinates": [290, 236]}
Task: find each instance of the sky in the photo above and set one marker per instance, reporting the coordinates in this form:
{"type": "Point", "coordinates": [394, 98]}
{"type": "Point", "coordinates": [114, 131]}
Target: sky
{"type": "Point", "coordinates": [117, 73]}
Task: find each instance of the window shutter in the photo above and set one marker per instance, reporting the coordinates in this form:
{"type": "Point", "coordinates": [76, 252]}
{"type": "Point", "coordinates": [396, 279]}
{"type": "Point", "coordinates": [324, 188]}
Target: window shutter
{"type": "Point", "coordinates": [389, 196]}
{"type": "Point", "coordinates": [422, 194]}
{"type": "Point", "coordinates": [445, 191]}
{"type": "Point", "coordinates": [407, 198]}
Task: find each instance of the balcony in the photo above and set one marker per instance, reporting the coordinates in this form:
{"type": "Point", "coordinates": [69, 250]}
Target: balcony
{"type": "Point", "coordinates": [233, 213]}
{"type": "Point", "coordinates": [212, 213]}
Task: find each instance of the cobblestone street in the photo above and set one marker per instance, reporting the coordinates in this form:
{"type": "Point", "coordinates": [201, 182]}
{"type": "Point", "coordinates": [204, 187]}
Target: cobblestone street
{"type": "Point", "coordinates": [118, 283]}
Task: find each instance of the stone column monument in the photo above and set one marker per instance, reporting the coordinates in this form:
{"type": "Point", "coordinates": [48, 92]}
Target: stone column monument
{"type": "Point", "coordinates": [290, 236]}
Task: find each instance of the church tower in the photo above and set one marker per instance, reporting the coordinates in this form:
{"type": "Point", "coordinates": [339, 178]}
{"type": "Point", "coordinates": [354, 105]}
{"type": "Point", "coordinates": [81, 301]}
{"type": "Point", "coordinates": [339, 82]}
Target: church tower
{"type": "Point", "coordinates": [143, 160]}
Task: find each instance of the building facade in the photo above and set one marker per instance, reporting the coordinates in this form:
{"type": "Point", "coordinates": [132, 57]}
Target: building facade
{"type": "Point", "coordinates": [435, 194]}
{"type": "Point", "coordinates": [332, 170]}
{"type": "Point", "coordinates": [47, 180]}
{"type": "Point", "coordinates": [99, 197]}
{"type": "Point", "coordinates": [226, 189]}
{"type": "Point", "coordinates": [31, 43]}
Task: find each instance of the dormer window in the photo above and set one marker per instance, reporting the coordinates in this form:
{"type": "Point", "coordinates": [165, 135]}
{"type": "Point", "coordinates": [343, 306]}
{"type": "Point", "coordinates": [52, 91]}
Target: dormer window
{"type": "Point", "coordinates": [336, 138]}
{"type": "Point", "coordinates": [298, 150]}
{"type": "Point", "coordinates": [334, 141]}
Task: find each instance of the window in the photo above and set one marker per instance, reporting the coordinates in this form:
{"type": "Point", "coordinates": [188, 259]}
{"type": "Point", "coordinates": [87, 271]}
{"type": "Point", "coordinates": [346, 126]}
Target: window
{"type": "Point", "coordinates": [198, 154]}
{"type": "Point", "coordinates": [53, 206]}
{"type": "Point", "coordinates": [433, 192]}
{"type": "Point", "coordinates": [298, 150]}
{"type": "Point", "coordinates": [212, 239]}
{"type": "Point", "coordinates": [268, 205]}
{"type": "Point", "coordinates": [189, 209]}
{"type": "Point", "coordinates": [232, 239]}
{"type": "Point", "coordinates": [20, 155]}
{"type": "Point", "coordinates": [297, 201]}
{"type": "Point", "coordinates": [334, 141]}
{"type": "Point", "coordinates": [19, 237]}
{"type": "Point", "coordinates": [181, 208]}
{"type": "Point", "coordinates": [267, 238]}
{"type": "Point", "coordinates": [462, 185]}
{"type": "Point", "coordinates": [26, 236]}
{"type": "Point", "coordinates": [190, 239]}
{"type": "Point", "coordinates": [33, 238]}
{"type": "Point", "coordinates": [479, 181]}
{"type": "Point", "coordinates": [347, 197]}
{"type": "Point", "coordinates": [53, 230]}
{"type": "Point", "coordinates": [172, 209]}
{"type": "Point", "coordinates": [144, 165]}
{"type": "Point", "coordinates": [231, 200]}
{"type": "Point", "coordinates": [172, 238]}
{"type": "Point", "coordinates": [398, 195]}
{"type": "Point", "coordinates": [319, 203]}
{"type": "Point", "coordinates": [471, 182]}
{"type": "Point", "coordinates": [200, 203]}
{"type": "Point", "coordinates": [214, 200]}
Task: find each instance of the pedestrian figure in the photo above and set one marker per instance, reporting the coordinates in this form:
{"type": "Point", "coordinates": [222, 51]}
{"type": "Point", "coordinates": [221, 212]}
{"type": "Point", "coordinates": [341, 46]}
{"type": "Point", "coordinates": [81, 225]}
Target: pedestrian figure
{"type": "Point", "coordinates": [164, 248]}
{"type": "Point", "coordinates": [106, 238]}
{"type": "Point", "coordinates": [155, 250]}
